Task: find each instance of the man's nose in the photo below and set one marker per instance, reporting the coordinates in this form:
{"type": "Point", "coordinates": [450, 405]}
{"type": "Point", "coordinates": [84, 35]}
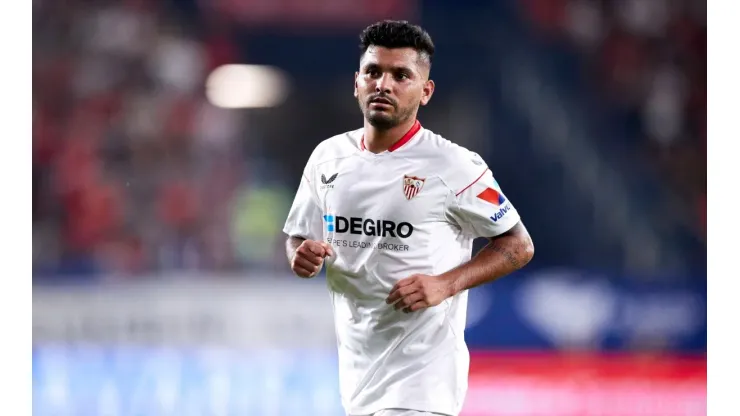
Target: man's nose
{"type": "Point", "coordinates": [384, 84]}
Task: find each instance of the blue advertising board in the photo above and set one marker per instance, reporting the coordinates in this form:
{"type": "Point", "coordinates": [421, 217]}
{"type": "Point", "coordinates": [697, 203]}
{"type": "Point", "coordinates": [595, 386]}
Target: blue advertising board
{"type": "Point", "coordinates": [139, 381]}
{"type": "Point", "coordinates": [571, 309]}
{"type": "Point", "coordinates": [166, 348]}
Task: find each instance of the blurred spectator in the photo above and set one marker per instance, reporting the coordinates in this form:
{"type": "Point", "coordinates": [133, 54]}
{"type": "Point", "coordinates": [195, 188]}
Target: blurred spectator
{"type": "Point", "coordinates": [651, 56]}
{"type": "Point", "coordinates": [121, 129]}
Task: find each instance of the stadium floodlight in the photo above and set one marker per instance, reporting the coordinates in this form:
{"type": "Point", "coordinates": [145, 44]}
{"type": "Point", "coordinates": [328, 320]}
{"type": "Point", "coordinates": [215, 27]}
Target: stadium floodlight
{"type": "Point", "coordinates": [246, 86]}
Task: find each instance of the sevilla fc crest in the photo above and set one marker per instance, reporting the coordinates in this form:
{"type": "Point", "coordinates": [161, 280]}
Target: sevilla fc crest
{"type": "Point", "coordinates": [412, 186]}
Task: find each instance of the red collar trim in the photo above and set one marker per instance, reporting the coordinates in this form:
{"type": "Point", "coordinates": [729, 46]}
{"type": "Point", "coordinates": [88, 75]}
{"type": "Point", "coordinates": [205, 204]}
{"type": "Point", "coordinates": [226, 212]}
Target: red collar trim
{"type": "Point", "coordinates": [405, 139]}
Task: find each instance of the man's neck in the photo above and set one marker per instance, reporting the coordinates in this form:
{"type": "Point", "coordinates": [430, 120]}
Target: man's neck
{"type": "Point", "coordinates": [377, 141]}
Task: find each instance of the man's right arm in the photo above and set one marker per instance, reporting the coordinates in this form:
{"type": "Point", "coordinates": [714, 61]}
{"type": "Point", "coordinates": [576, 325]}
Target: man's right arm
{"type": "Point", "coordinates": [306, 256]}
{"type": "Point", "coordinates": [291, 245]}
{"type": "Point", "coordinates": [304, 227]}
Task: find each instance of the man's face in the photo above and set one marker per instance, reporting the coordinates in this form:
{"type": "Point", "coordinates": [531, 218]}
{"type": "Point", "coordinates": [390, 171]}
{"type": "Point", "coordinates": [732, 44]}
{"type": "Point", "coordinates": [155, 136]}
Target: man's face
{"type": "Point", "coordinates": [391, 85]}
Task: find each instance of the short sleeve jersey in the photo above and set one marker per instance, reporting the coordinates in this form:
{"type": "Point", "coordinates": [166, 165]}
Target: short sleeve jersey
{"type": "Point", "coordinates": [415, 208]}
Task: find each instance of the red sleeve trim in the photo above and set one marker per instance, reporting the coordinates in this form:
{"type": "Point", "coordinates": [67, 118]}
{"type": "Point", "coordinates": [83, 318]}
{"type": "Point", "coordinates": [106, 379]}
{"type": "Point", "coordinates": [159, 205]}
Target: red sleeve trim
{"type": "Point", "coordinates": [472, 183]}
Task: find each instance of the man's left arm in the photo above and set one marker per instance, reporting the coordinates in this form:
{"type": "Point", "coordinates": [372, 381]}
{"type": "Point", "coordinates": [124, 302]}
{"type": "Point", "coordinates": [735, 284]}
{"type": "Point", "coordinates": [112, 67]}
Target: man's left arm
{"type": "Point", "coordinates": [480, 209]}
{"type": "Point", "coordinates": [504, 254]}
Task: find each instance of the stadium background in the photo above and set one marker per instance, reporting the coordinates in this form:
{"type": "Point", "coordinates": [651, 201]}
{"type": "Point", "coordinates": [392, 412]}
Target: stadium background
{"type": "Point", "coordinates": [160, 186]}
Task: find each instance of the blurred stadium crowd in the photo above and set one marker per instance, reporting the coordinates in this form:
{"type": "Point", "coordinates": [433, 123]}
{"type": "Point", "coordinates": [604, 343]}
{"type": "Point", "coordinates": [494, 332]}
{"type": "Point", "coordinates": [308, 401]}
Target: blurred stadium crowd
{"type": "Point", "coordinates": [647, 59]}
{"type": "Point", "coordinates": [134, 170]}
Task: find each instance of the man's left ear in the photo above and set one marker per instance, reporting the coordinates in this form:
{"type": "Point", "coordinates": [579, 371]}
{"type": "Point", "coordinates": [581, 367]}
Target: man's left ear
{"type": "Point", "coordinates": [426, 93]}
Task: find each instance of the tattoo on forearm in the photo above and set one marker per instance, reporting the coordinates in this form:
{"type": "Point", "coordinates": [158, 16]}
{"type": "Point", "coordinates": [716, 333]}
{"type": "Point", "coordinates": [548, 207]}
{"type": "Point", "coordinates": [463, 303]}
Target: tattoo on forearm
{"type": "Point", "coordinates": [506, 251]}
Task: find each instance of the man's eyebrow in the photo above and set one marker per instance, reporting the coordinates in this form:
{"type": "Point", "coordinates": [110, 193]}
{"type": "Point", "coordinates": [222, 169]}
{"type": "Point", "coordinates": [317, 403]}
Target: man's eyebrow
{"type": "Point", "coordinates": [395, 68]}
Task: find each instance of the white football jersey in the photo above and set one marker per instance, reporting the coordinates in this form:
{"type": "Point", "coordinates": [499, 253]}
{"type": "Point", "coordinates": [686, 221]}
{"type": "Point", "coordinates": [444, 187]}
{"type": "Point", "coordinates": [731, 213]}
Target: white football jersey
{"type": "Point", "coordinates": [415, 208]}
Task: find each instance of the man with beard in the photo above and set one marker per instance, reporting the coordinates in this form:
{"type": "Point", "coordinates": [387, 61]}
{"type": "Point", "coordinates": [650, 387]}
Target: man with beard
{"type": "Point", "coordinates": [393, 209]}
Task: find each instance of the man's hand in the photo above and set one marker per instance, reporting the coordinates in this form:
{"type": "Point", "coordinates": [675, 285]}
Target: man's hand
{"type": "Point", "coordinates": [309, 257]}
{"type": "Point", "coordinates": [419, 291]}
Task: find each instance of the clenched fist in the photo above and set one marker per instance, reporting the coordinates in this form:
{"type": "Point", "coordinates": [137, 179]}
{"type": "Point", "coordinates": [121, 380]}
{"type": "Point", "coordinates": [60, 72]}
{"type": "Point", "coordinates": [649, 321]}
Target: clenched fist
{"type": "Point", "coordinates": [309, 257]}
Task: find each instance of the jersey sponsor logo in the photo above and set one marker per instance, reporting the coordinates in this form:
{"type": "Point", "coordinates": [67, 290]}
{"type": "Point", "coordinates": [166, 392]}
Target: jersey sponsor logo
{"type": "Point", "coordinates": [412, 186]}
{"type": "Point", "coordinates": [367, 226]}
{"type": "Point", "coordinates": [327, 182]}
{"type": "Point", "coordinates": [373, 245]}
{"type": "Point", "coordinates": [500, 214]}
{"type": "Point", "coordinates": [492, 196]}
{"type": "Point", "coordinates": [329, 220]}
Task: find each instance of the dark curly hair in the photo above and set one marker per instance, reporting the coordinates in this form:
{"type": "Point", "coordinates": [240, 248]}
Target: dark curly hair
{"type": "Point", "coordinates": [398, 34]}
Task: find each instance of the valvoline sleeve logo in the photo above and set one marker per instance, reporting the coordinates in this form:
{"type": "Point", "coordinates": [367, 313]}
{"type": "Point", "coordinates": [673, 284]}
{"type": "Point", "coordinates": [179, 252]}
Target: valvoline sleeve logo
{"type": "Point", "coordinates": [492, 196]}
